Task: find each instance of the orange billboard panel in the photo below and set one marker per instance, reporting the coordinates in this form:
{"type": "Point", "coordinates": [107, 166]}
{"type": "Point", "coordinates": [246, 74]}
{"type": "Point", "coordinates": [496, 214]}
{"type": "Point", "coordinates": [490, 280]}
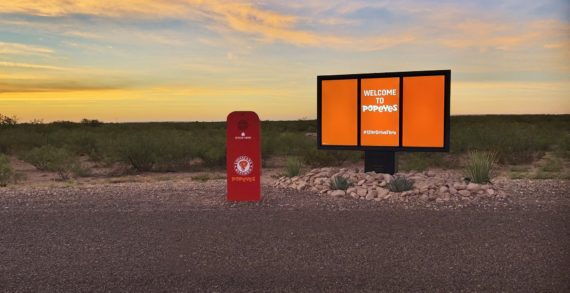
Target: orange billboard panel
{"type": "Point", "coordinates": [339, 104]}
{"type": "Point", "coordinates": [423, 111]}
{"type": "Point", "coordinates": [380, 111]}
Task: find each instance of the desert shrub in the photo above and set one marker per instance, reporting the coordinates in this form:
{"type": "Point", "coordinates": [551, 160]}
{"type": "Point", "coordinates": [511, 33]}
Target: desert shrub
{"type": "Point", "coordinates": [155, 151]}
{"type": "Point", "coordinates": [86, 144]}
{"type": "Point", "coordinates": [515, 139]}
{"type": "Point", "coordinates": [6, 171]}
{"type": "Point", "coordinates": [479, 165]}
{"type": "Point", "coordinates": [400, 184]}
{"type": "Point", "coordinates": [293, 167]}
{"type": "Point", "coordinates": [214, 156]}
{"type": "Point", "coordinates": [421, 161]}
{"type": "Point", "coordinates": [140, 153]}
{"type": "Point", "coordinates": [201, 178]}
{"type": "Point", "coordinates": [50, 158]}
{"type": "Point", "coordinates": [7, 120]}
{"type": "Point", "coordinates": [563, 147]}
{"type": "Point", "coordinates": [269, 145]}
{"type": "Point", "coordinates": [320, 158]}
{"type": "Point", "coordinates": [339, 183]}
{"type": "Point", "coordinates": [552, 165]}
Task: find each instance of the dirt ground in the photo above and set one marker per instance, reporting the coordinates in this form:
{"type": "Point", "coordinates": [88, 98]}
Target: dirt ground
{"type": "Point", "coordinates": [169, 233]}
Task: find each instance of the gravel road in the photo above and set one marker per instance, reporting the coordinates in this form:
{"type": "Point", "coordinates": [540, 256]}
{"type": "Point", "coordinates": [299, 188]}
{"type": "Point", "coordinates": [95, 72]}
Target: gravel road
{"type": "Point", "coordinates": [183, 236]}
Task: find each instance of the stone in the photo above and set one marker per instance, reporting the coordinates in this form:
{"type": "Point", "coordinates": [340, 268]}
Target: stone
{"type": "Point", "coordinates": [473, 186]}
{"type": "Point", "coordinates": [388, 177]}
{"type": "Point", "coordinates": [351, 190]}
{"type": "Point", "coordinates": [361, 191]}
{"type": "Point", "coordinates": [338, 193]}
{"type": "Point", "coordinates": [324, 191]}
{"type": "Point", "coordinates": [320, 180]}
{"type": "Point", "coordinates": [443, 189]}
{"type": "Point", "coordinates": [459, 186]}
{"type": "Point", "coordinates": [301, 186]}
{"type": "Point", "coordinates": [452, 190]}
{"type": "Point", "coordinates": [383, 192]}
{"type": "Point", "coordinates": [361, 182]}
{"type": "Point", "coordinates": [382, 183]}
{"type": "Point", "coordinates": [430, 173]}
{"type": "Point", "coordinates": [354, 195]}
{"type": "Point", "coordinates": [464, 193]}
{"type": "Point", "coordinates": [371, 194]}
{"type": "Point", "coordinates": [490, 192]}
{"type": "Point", "coordinates": [424, 197]}
{"type": "Point", "coordinates": [387, 196]}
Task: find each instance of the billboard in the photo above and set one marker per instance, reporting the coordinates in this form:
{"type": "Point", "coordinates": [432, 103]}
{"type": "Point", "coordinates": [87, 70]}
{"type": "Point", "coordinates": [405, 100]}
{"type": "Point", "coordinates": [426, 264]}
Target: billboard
{"type": "Point", "coordinates": [393, 111]}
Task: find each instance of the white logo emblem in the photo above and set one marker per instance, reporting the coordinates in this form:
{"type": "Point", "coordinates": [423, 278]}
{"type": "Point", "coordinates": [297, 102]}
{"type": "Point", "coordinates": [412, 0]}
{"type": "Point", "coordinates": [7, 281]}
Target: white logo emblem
{"type": "Point", "coordinates": [243, 165]}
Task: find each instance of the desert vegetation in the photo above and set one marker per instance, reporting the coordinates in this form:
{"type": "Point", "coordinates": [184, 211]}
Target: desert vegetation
{"type": "Point", "coordinates": [527, 145]}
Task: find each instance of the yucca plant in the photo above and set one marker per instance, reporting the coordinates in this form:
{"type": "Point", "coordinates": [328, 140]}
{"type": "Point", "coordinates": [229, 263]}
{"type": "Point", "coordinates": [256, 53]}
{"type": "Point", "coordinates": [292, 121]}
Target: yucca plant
{"type": "Point", "coordinates": [479, 165]}
{"type": "Point", "coordinates": [400, 184]}
{"type": "Point", "coordinates": [340, 183]}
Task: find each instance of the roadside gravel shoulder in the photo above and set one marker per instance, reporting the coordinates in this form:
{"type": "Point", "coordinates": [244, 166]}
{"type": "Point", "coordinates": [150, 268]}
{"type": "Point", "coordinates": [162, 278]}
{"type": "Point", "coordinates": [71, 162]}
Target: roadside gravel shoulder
{"type": "Point", "coordinates": [180, 194]}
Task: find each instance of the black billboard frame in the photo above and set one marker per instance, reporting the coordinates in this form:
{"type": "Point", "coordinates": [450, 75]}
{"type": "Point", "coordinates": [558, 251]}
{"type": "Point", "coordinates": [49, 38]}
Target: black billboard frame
{"type": "Point", "coordinates": [447, 106]}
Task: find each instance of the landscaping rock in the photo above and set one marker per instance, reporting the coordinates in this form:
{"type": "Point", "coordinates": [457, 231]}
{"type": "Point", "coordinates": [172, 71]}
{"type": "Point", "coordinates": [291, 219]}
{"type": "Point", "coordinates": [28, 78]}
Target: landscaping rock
{"type": "Point", "coordinates": [361, 191]}
{"type": "Point", "coordinates": [429, 187]}
{"type": "Point", "coordinates": [338, 193]}
{"type": "Point", "coordinates": [473, 187]}
{"type": "Point", "coordinates": [464, 193]}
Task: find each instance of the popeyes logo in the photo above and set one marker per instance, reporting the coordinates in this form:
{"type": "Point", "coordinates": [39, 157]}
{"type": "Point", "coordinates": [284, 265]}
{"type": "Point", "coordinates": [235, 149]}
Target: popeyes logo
{"type": "Point", "coordinates": [243, 165]}
{"type": "Point", "coordinates": [380, 95]}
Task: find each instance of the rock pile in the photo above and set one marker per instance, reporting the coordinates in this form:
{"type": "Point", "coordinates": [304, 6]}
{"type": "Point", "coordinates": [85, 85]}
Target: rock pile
{"type": "Point", "coordinates": [428, 186]}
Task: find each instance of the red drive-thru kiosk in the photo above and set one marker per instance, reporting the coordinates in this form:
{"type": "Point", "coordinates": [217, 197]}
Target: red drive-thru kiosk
{"type": "Point", "coordinates": [243, 156]}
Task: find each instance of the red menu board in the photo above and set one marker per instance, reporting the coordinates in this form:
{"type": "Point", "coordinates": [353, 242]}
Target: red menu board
{"type": "Point", "coordinates": [243, 156]}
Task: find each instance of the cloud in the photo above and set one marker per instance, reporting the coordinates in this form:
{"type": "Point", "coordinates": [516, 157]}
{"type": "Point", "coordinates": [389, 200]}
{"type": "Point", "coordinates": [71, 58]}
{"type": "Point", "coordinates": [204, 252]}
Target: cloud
{"type": "Point", "coordinates": [140, 8]}
{"type": "Point", "coordinates": [226, 18]}
{"type": "Point", "coordinates": [22, 49]}
{"type": "Point", "coordinates": [31, 66]}
{"type": "Point", "coordinates": [35, 86]}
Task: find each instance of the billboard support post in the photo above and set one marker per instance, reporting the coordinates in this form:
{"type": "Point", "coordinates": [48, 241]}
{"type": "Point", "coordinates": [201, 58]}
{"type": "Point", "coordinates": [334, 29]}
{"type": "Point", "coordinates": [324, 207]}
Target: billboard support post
{"type": "Point", "coordinates": [380, 162]}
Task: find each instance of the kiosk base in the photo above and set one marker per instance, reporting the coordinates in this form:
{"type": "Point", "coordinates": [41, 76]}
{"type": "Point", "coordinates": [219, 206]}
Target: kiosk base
{"type": "Point", "coordinates": [380, 162]}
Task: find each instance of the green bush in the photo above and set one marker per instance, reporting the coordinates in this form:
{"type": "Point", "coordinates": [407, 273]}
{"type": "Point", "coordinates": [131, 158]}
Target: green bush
{"type": "Point", "coordinates": [339, 183]}
{"type": "Point", "coordinates": [479, 165]}
{"type": "Point", "coordinates": [293, 167]}
{"type": "Point", "coordinates": [400, 184]}
{"type": "Point", "coordinates": [50, 158]}
{"type": "Point", "coordinates": [6, 171]}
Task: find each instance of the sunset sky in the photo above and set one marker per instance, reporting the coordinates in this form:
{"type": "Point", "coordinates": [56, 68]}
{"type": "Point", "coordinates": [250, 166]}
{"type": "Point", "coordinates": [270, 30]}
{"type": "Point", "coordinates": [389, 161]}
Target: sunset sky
{"type": "Point", "coordinates": [188, 60]}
